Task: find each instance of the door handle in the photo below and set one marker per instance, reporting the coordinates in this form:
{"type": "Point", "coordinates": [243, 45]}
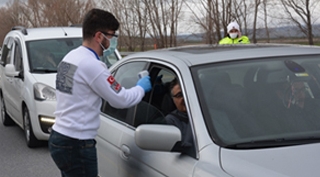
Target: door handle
{"type": "Point", "coordinates": [125, 151]}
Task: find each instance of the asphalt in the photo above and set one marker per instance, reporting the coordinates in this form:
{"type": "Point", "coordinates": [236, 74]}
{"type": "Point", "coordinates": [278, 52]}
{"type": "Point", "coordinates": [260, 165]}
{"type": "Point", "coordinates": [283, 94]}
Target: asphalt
{"type": "Point", "coordinates": [17, 160]}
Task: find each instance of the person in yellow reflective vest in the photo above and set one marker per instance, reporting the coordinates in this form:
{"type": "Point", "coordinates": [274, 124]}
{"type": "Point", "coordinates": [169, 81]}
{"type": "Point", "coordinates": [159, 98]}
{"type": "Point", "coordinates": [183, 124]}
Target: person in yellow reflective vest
{"type": "Point", "coordinates": [234, 35]}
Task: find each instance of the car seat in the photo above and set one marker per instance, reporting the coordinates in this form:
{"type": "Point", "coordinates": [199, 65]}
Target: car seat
{"type": "Point", "coordinates": [167, 104]}
{"type": "Point", "coordinates": [229, 99]}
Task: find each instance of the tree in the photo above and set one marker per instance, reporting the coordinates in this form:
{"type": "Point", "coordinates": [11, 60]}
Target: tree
{"type": "Point", "coordinates": [208, 14]}
{"type": "Point", "coordinates": [215, 15]}
{"type": "Point", "coordinates": [42, 13]}
{"type": "Point", "coordinates": [10, 17]}
{"type": "Point", "coordinates": [139, 18]}
{"type": "Point", "coordinates": [265, 19]}
{"type": "Point", "coordinates": [133, 19]}
{"type": "Point", "coordinates": [255, 16]}
{"type": "Point", "coordinates": [163, 21]}
{"type": "Point", "coordinates": [299, 12]}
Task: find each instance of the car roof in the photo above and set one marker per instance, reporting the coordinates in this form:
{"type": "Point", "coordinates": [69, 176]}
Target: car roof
{"type": "Point", "coordinates": [202, 54]}
{"type": "Point", "coordinates": [29, 34]}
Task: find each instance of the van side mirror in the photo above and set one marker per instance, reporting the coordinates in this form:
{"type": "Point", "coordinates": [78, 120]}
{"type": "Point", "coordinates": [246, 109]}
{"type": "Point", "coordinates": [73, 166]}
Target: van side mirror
{"type": "Point", "coordinates": [10, 71]}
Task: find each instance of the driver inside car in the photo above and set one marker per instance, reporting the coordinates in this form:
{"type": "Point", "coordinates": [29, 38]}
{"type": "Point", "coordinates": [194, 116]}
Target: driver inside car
{"type": "Point", "coordinates": [179, 118]}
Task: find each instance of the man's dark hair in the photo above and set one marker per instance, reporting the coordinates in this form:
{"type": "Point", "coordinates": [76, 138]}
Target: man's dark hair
{"type": "Point", "coordinates": [173, 83]}
{"type": "Point", "coordinates": [98, 20]}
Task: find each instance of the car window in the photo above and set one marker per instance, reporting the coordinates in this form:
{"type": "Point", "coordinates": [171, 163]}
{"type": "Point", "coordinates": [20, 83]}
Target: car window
{"type": "Point", "coordinates": [127, 76]}
{"type": "Point", "coordinates": [8, 57]}
{"type": "Point", "coordinates": [5, 50]}
{"type": "Point", "coordinates": [260, 100]}
{"type": "Point", "coordinates": [154, 108]}
{"type": "Point", "coordinates": [4, 53]}
{"type": "Point", "coordinates": [45, 55]}
{"type": "Point", "coordinates": [18, 57]}
{"type": "Point", "coordinates": [161, 90]}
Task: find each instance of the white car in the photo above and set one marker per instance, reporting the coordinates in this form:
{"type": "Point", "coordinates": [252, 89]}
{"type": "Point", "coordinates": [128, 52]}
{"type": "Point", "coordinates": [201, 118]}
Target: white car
{"type": "Point", "coordinates": [254, 111]}
{"type": "Point", "coordinates": [27, 76]}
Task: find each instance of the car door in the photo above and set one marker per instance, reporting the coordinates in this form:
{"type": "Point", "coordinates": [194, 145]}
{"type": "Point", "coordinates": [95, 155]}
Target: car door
{"type": "Point", "coordinates": [8, 92]}
{"type": "Point", "coordinates": [17, 82]}
{"type": "Point", "coordinates": [112, 124]}
{"type": "Point", "coordinates": [14, 86]}
{"type": "Point", "coordinates": [143, 163]}
{"type": "Point", "coordinates": [134, 161]}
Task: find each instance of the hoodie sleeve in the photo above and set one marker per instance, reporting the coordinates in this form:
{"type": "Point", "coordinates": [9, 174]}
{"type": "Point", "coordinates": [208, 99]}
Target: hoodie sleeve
{"type": "Point", "coordinates": [105, 85]}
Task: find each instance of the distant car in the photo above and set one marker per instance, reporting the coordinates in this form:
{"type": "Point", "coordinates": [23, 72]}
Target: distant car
{"type": "Point", "coordinates": [28, 71]}
{"type": "Point", "coordinates": [254, 110]}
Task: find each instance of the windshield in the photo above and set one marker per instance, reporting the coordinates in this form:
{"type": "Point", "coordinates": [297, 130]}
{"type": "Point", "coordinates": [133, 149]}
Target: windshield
{"type": "Point", "coordinates": [45, 55]}
{"type": "Point", "coordinates": [261, 103]}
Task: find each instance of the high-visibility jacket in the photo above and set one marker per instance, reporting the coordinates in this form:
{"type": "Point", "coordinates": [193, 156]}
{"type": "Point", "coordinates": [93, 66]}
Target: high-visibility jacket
{"type": "Point", "coordinates": [241, 40]}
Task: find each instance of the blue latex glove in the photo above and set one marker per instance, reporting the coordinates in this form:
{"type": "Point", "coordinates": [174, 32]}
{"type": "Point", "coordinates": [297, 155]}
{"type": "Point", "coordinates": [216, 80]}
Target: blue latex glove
{"type": "Point", "coordinates": [145, 83]}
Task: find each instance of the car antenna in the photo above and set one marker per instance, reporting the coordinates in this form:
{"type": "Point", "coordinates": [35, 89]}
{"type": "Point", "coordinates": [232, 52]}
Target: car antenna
{"type": "Point", "coordinates": [65, 33]}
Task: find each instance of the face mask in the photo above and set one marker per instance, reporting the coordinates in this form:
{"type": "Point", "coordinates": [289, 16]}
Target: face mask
{"type": "Point", "coordinates": [112, 47]}
{"type": "Point", "coordinates": [233, 35]}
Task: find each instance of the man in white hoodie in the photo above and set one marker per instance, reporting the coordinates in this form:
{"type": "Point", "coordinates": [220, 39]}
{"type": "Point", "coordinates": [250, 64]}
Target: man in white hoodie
{"type": "Point", "coordinates": [82, 80]}
{"type": "Point", "coordinates": [234, 35]}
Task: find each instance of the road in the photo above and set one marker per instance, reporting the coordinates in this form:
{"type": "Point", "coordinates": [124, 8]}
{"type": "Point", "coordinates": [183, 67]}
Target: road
{"type": "Point", "coordinates": [17, 160]}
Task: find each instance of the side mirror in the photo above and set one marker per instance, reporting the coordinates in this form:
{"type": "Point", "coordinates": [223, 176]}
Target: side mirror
{"type": "Point", "coordinates": [10, 71]}
{"type": "Point", "coordinates": [157, 137]}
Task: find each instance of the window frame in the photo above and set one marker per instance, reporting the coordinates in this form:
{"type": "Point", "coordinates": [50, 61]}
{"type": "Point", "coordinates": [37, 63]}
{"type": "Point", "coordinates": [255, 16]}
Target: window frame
{"type": "Point", "coordinates": [154, 69]}
{"type": "Point", "coordinates": [130, 111]}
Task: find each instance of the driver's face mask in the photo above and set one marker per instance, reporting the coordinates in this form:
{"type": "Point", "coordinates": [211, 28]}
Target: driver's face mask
{"type": "Point", "coordinates": [112, 47]}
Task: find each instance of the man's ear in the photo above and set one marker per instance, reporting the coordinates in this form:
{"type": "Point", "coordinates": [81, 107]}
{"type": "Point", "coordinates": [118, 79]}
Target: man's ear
{"type": "Point", "coordinates": [98, 37]}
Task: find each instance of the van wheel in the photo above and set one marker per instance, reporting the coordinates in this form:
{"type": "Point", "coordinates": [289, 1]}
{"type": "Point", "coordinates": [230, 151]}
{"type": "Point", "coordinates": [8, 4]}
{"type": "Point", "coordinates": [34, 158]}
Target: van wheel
{"type": "Point", "coordinates": [31, 140]}
{"type": "Point", "coordinates": [6, 119]}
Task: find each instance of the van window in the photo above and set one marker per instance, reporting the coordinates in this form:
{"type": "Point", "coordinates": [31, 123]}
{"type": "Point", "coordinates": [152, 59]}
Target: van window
{"type": "Point", "coordinates": [45, 55]}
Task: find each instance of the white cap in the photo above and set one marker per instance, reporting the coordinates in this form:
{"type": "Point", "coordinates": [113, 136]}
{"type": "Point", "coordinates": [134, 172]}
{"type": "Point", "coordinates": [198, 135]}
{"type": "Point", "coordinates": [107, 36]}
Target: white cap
{"type": "Point", "coordinates": [233, 25]}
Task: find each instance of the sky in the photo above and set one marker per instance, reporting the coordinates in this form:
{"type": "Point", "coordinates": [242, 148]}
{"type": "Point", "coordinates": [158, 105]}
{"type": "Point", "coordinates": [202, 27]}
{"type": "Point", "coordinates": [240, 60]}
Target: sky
{"type": "Point", "coordinates": [3, 2]}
